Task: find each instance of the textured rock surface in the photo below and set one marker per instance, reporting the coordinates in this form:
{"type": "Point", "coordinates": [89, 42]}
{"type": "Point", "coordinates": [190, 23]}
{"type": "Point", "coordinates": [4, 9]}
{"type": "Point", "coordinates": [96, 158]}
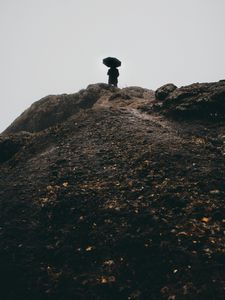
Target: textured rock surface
{"type": "Point", "coordinates": [199, 100]}
{"type": "Point", "coordinates": [112, 202]}
{"type": "Point", "coordinates": [164, 91]}
{"type": "Point", "coordinates": [56, 109]}
{"type": "Point", "coordinates": [11, 144]}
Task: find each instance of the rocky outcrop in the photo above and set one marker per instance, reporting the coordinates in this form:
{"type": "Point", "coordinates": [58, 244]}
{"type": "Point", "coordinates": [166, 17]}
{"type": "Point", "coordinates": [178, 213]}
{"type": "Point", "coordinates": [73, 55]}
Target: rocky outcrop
{"type": "Point", "coordinates": [55, 109]}
{"type": "Point", "coordinates": [164, 91]}
{"type": "Point", "coordinates": [198, 100]}
{"type": "Point", "coordinates": [138, 92]}
{"type": "Point", "coordinates": [113, 203]}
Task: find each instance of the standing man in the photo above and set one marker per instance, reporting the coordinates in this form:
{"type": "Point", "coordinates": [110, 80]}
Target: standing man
{"type": "Point", "coordinates": [113, 74]}
{"type": "Point", "coordinates": [113, 63]}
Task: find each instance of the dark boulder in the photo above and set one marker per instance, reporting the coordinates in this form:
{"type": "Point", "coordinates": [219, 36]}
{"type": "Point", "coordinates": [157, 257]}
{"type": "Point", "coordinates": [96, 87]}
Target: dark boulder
{"type": "Point", "coordinates": [198, 100]}
{"type": "Point", "coordinates": [164, 91]}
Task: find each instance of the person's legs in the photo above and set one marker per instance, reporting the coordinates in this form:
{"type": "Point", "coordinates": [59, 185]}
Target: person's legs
{"type": "Point", "coordinates": [112, 81]}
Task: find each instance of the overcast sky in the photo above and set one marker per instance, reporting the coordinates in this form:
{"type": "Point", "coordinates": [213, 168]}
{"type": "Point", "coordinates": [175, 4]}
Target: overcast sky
{"type": "Point", "coordinates": [57, 46]}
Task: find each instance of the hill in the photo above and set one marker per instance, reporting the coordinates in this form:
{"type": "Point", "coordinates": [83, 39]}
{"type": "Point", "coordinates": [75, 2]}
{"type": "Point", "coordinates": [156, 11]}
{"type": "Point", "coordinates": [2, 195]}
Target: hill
{"type": "Point", "coordinates": [115, 194]}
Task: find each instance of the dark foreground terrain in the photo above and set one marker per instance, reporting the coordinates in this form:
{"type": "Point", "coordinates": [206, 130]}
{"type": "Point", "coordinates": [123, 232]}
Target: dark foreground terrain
{"type": "Point", "coordinates": [115, 194]}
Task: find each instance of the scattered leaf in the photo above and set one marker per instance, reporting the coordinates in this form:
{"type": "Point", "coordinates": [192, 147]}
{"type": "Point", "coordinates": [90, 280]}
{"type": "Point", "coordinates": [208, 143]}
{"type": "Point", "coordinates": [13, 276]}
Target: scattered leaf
{"type": "Point", "coordinates": [89, 248]}
{"type": "Point", "coordinates": [109, 279]}
{"type": "Point", "coordinates": [49, 187]}
{"type": "Point", "coordinates": [108, 262]}
{"type": "Point", "coordinates": [215, 192]}
{"type": "Point", "coordinates": [205, 219]}
{"type": "Point", "coordinates": [103, 280]}
{"type": "Point", "coordinates": [182, 233]}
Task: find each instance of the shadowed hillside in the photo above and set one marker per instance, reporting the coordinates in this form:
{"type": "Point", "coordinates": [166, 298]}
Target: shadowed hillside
{"type": "Point", "coordinates": [115, 194]}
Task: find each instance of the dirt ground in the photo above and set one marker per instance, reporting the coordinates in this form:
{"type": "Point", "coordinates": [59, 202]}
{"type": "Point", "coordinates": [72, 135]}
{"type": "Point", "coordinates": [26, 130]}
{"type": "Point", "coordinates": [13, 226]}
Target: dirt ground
{"type": "Point", "coordinates": [115, 204]}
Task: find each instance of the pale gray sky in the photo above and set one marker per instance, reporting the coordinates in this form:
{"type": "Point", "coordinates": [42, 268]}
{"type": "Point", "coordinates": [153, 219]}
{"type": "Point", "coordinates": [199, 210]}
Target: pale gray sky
{"type": "Point", "coordinates": [57, 46]}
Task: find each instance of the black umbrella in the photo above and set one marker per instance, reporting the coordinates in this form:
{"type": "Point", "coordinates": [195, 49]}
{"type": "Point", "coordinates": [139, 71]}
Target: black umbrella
{"type": "Point", "coordinates": [111, 62]}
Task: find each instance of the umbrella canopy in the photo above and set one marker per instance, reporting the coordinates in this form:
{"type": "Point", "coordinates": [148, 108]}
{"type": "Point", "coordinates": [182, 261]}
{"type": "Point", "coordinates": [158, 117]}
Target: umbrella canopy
{"type": "Point", "coordinates": [111, 62]}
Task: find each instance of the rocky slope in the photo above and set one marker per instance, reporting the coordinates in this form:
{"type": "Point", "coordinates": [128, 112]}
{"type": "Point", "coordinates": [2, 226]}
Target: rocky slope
{"type": "Point", "coordinates": [113, 194]}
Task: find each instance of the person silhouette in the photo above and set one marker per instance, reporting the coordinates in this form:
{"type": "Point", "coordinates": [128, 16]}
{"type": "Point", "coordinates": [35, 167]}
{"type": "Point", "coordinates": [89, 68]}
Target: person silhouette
{"type": "Point", "coordinates": [113, 74]}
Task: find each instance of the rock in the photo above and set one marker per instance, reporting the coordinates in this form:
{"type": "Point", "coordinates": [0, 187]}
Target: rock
{"type": "Point", "coordinates": [136, 92]}
{"type": "Point", "coordinates": [55, 109]}
{"type": "Point", "coordinates": [123, 96]}
{"type": "Point", "coordinates": [164, 91]}
{"type": "Point", "coordinates": [112, 199]}
{"type": "Point", "coordinates": [198, 100]}
{"type": "Point", "coordinates": [11, 144]}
